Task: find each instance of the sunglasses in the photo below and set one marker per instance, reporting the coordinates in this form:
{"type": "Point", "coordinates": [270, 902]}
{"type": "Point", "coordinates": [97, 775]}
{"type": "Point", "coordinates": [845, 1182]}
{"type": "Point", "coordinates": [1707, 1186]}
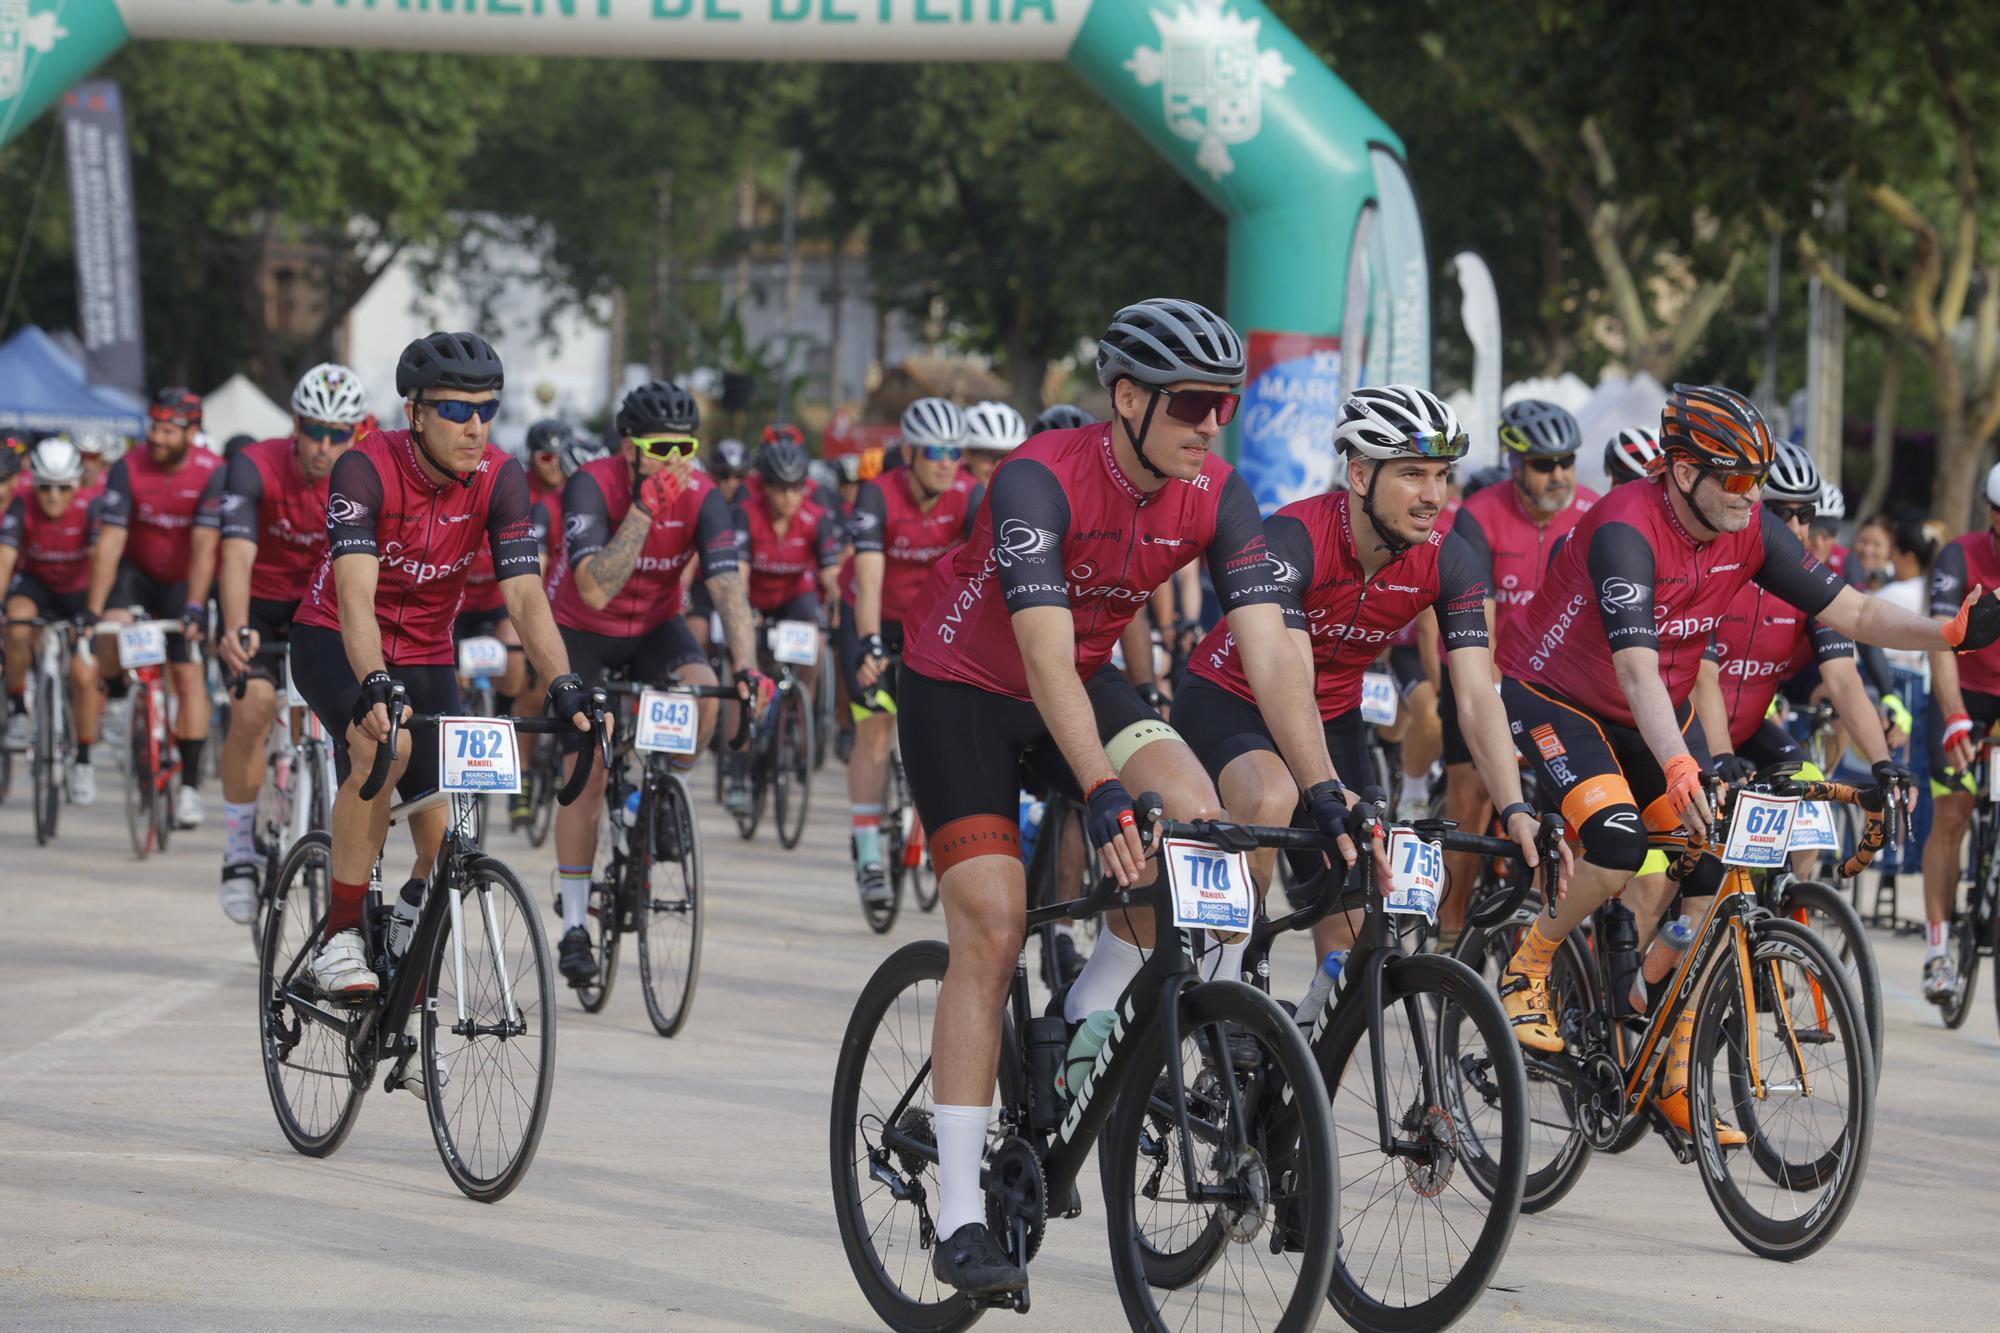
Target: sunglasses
{"type": "Point", "coordinates": [1191, 407]}
{"type": "Point", "coordinates": [322, 432]}
{"type": "Point", "coordinates": [1737, 483]}
{"type": "Point", "coordinates": [938, 453]}
{"type": "Point", "coordinates": [1799, 513]}
{"type": "Point", "coordinates": [665, 447]}
{"type": "Point", "coordinates": [1548, 466]}
{"type": "Point", "coordinates": [458, 411]}
{"type": "Point", "coordinates": [50, 487]}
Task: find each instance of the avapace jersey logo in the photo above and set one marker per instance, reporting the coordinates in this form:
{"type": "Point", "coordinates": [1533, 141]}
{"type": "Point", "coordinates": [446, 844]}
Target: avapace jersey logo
{"type": "Point", "coordinates": [1018, 540]}
{"type": "Point", "coordinates": [344, 511]}
{"type": "Point", "coordinates": [1622, 594]}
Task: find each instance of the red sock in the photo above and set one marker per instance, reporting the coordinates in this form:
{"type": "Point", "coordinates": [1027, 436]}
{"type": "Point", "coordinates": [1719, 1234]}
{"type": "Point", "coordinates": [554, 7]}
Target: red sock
{"type": "Point", "coordinates": [344, 911]}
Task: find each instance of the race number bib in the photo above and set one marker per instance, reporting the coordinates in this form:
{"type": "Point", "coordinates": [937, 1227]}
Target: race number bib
{"type": "Point", "coordinates": [1416, 875]}
{"type": "Point", "coordinates": [478, 754]}
{"type": "Point", "coordinates": [1760, 830]}
{"type": "Point", "coordinates": [141, 646]}
{"type": "Point", "coordinates": [1378, 699]}
{"type": "Point", "coordinates": [1812, 828]}
{"type": "Point", "coordinates": [666, 723]}
{"type": "Point", "coordinates": [796, 642]}
{"type": "Point", "coordinates": [1211, 887]}
{"type": "Point", "coordinates": [481, 655]}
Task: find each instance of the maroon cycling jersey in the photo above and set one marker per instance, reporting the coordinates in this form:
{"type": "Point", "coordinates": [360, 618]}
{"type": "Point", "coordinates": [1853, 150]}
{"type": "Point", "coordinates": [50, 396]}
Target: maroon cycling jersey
{"type": "Point", "coordinates": [1513, 549]}
{"type": "Point", "coordinates": [783, 566]}
{"type": "Point", "coordinates": [55, 552]}
{"type": "Point", "coordinates": [1973, 561]}
{"type": "Point", "coordinates": [887, 521]}
{"type": "Point", "coordinates": [1760, 642]}
{"type": "Point", "coordinates": [425, 537]}
{"type": "Point", "coordinates": [267, 500]}
{"type": "Point", "coordinates": [595, 502]}
{"type": "Point", "coordinates": [1350, 616]}
{"type": "Point", "coordinates": [160, 508]}
{"type": "Point", "coordinates": [1062, 525]}
{"type": "Point", "coordinates": [482, 586]}
{"type": "Point", "coordinates": [1630, 576]}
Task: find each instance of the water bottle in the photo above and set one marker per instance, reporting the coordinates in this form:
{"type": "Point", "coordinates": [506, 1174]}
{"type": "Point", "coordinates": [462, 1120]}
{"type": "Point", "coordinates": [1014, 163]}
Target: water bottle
{"type": "Point", "coordinates": [627, 817]}
{"type": "Point", "coordinates": [1665, 955]}
{"type": "Point", "coordinates": [1325, 981]}
{"type": "Point", "coordinates": [1047, 1038]}
{"type": "Point", "coordinates": [403, 921]}
{"type": "Point", "coordinates": [1083, 1048]}
{"type": "Point", "coordinates": [1031, 825]}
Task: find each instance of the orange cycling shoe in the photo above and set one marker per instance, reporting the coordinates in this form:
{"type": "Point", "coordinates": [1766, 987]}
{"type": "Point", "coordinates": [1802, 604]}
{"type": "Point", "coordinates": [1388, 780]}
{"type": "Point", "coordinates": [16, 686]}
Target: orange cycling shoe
{"type": "Point", "coordinates": [1674, 1106]}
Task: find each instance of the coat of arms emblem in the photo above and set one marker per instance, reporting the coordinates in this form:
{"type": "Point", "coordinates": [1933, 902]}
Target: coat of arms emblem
{"type": "Point", "coordinates": [1212, 78]}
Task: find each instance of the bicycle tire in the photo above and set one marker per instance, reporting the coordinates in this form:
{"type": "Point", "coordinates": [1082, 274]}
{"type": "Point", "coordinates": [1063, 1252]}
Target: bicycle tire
{"type": "Point", "coordinates": [880, 919]}
{"type": "Point", "coordinates": [141, 788]}
{"type": "Point", "coordinates": [670, 915]}
{"type": "Point", "coordinates": [1426, 1212]}
{"type": "Point", "coordinates": [542, 783]}
{"type": "Point", "coordinates": [601, 921]}
{"type": "Point", "coordinates": [884, 1253]}
{"type": "Point", "coordinates": [317, 1107]}
{"type": "Point", "coordinates": [1955, 1008]}
{"type": "Point", "coordinates": [6, 772]}
{"type": "Point", "coordinates": [1718, 1036]}
{"type": "Point", "coordinates": [791, 768]}
{"type": "Point", "coordinates": [1806, 897]}
{"type": "Point", "coordinates": [1293, 1141]}
{"type": "Point", "coordinates": [486, 883]}
{"type": "Point", "coordinates": [46, 763]}
{"type": "Point", "coordinates": [166, 793]}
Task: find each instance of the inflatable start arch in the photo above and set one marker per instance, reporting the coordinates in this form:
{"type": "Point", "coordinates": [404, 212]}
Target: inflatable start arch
{"type": "Point", "coordinates": [1326, 251]}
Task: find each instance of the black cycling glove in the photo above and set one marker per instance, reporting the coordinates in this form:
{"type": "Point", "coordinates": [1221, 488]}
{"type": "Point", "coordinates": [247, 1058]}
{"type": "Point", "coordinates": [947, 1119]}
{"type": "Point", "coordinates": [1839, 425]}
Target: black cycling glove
{"type": "Point", "coordinates": [1149, 694]}
{"type": "Point", "coordinates": [1733, 769]}
{"type": "Point", "coordinates": [1111, 812]}
{"type": "Point", "coordinates": [377, 687]}
{"type": "Point", "coordinates": [567, 697]}
{"type": "Point", "coordinates": [1326, 806]}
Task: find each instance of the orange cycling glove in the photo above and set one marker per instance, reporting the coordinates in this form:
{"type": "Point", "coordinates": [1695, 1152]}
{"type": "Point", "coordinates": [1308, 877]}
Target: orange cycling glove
{"type": "Point", "coordinates": [1683, 783]}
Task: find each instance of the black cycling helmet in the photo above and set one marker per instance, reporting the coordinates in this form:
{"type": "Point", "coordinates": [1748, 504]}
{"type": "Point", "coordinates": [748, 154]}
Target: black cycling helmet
{"type": "Point", "coordinates": [1062, 416]}
{"type": "Point", "coordinates": [175, 404]}
{"type": "Point", "coordinates": [849, 467]}
{"type": "Point", "coordinates": [550, 437]}
{"type": "Point", "coordinates": [728, 459]}
{"type": "Point", "coordinates": [463, 361]}
{"type": "Point", "coordinates": [659, 406]}
{"type": "Point", "coordinates": [1533, 428]}
{"type": "Point", "coordinates": [782, 463]}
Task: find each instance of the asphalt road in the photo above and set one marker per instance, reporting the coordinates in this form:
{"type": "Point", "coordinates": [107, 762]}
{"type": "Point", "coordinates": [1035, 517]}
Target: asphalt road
{"type": "Point", "coordinates": [683, 1184]}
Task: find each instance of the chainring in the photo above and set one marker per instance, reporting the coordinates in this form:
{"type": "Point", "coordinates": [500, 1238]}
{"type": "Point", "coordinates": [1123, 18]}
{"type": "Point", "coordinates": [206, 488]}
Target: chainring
{"type": "Point", "coordinates": [1016, 1189]}
{"type": "Point", "coordinates": [1600, 1101]}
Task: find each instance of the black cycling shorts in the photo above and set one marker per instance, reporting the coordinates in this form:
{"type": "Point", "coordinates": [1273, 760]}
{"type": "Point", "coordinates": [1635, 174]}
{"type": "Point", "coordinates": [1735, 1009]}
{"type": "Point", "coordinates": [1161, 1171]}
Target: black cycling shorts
{"type": "Point", "coordinates": [1406, 664]}
{"type": "Point", "coordinates": [1221, 727]}
{"type": "Point", "coordinates": [1771, 744]}
{"type": "Point", "coordinates": [159, 601]}
{"type": "Point", "coordinates": [323, 677]}
{"type": "Point", "coordinates": [700, 605]}
{"type": "Point", "coordinates": [847, 651]}
{"type": "Point", "coordinates": [273, 622]}
{"type": "Point", "coordinates": [645, 659]}
{"type": "Point", "coordinates": [1984, 710]}
{"type": "Point", "coordinates": [478, 624]}
{"type": "Point", "coordinates": [49, 605]}
{"type": "Point", "coordinates": [968, 750]}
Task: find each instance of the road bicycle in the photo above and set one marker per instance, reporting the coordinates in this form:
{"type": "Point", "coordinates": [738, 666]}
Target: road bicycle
{"type": "Point", "coordinates": [476, 976]}
{"type": "Point", "coordinates": [482, 660]}
{"type": "Point", "coordinates": [1975, 928]}
{"type": "Point", "coordinates": [1780, 1046]}
{"type": "Point", "coordinates": [781, 743]}
{"type": "Point", "coordinates": [296, 795]}
{"type": "Point", "coordinates": [1415, 1052]}
{"type": "Point", "coordinates": [647, 881]}
{"type": "Point", "coordinates": [52, 740]}
{"type": "Point", "coordinates": [1216, 1152]}
{"type": "Point", "coordinates": [153, 773]}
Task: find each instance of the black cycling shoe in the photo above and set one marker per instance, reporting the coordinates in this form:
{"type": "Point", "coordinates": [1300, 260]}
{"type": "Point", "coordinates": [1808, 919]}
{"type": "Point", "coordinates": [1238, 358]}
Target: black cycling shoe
{"type": "Point", "coordinates": [972, 1262]}
{"type": "Point", "coordinates": [576, 960]}
{"type": "Point", "coordinates": [520, 811]}
{"type": "Point", "coordinates": [843, 744]}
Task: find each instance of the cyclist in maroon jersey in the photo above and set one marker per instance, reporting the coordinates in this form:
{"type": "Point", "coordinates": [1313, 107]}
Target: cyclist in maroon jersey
{"type": "Point", "coordinates": [273, 534]}
{"type": "Point", "coordinates": [727, 465]}
{"type": "Point", "coordinates": [1006, 670]}
{"type": "Point", "coordinates": [635, 521]}
{"type": "Point", "coordinates": [1511, 529]}
{"type": "Point", "coordinates": [158, 530]}
{"type": "Point", "coordinates": [903, 523]}
{"type": "Point", "coordinates": [555, 449]}
{"type": "Point", "coordinates": [1355, 567]}
{"type": "Point", "coordinates": [992, 431]}
{"type": "Point", "coordinates": [45, 540]}
{"type": "Point", "coordinates": [406, 511]}
{"type": "Point", "coordinates": [1964, 705]}
{"type": "Point", "coordinates": [1597, 685]}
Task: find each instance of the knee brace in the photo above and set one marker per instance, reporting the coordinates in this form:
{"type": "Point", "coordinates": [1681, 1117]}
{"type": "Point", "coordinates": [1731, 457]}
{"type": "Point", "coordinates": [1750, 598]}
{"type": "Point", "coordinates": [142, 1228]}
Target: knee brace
{"type": "Point", "coordinates": [1615, 838]}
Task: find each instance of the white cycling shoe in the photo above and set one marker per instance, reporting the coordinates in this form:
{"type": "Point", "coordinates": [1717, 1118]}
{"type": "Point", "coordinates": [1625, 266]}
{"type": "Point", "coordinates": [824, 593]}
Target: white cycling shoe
{"type": "Point", "coordinates": [238, 894]}
{"type": "Point", "coordinates": [83, 785]}
{"type": "Point", "coordinates": [188, 809]}
{"type": "Point", "coordinates": [339, 967]}
{"type": "Point", "coordinates": [19, 731]}
{"type": "Point", "coordinates": [413, 1073]}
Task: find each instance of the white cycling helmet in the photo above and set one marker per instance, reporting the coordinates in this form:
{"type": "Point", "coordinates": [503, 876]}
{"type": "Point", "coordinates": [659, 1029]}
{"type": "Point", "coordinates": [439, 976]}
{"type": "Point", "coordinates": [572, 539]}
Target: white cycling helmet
{"type": "Point", "coordinates": [994, 427]}
{"type": "Point", "coordinates": [1833, 501]}
{"type": "Point", "coordinates": [1793, 476]}
{"type": "Point", "coordinates": [1993, 485]}
{"type": "Point", "coordinates": [1631, 454]}
{"type": "Point", "coordinates": [933, 423]}
{"type": "Point", "coordinates": [56, 462]}
{"type": "Point", "coordinates": [98, 444]}
{"type": "Point", "coordinates": [1399, 421]}
{"type": "Point", "coordinates": [330, 392]}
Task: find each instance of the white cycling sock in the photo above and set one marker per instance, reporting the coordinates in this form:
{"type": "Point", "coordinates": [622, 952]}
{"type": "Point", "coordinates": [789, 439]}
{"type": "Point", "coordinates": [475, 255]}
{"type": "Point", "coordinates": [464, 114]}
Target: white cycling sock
{"type": "Point", "coordinates": [1937, 939]}
{"type": "Point", "coordinates": [1224, 962]}
{"type": "Point", "coordinates": [961, 1140]}
{"type": "Point", "coordinates": [575, 886]}
{"type": "Point", "coordinates": [1416, 792]}
{"type": "Point", "coordinates": [1109, 969]}
{"type": "Point", "coordinates": [239, 820]}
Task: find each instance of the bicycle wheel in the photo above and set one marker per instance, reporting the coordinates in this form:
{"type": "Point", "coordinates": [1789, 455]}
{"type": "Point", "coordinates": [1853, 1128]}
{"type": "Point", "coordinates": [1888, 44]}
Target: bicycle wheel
{"type": "Point", "coordinates": [1809, 1108]}
{"type": "Point", "coordinates": [141, 787]}
{"type": "Point", "coordinates": [1826, 911]}
{"type": "Point", "coordinates": [487, 1115]}
{"type": "Point", "coordinates": [46, 763]}
{"type": "Point", "coordinates": [1264, 1257]}
{"type": "Point", "coordinates": [1965, 942]}
{"type": "Point", "coordinates": [602, 921]}
{"type": "Point", "coordinates": [668, 907]}
{"type": "Point", "coordinates": [1418, 1245]}
{"type": "Point", "coordinates": [1556, 1152]}
{"type": "Point", "coordinates": [895, 819]}
{"type": "Point", "coordinates": [543, 778]}
{"type": "Point", "coordinates": [888, 1229]}
{"type": "Point", "coordinates": [166, 793]}
{"type": "Point", "coordinates": [313, 1082]}
{"type": "Point", "coordinates": [791, 776]}
{"type": "Point", "coordinates": [916, 847]}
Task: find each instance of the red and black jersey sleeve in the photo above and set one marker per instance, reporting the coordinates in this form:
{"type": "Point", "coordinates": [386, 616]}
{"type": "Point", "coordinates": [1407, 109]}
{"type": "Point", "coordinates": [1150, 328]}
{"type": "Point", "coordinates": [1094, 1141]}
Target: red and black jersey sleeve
{"type": "Point", "coordinates": [1463, 587]}
{"type": "Point", "coordinates": [353, 505]}
{"type": "Point", "coordinates": [1789, 573]}
{"type": "Point", "coordinates": [1238, 561]}
{"type": "Point", "coordinates": [1030, 519]}
{"type": "Point", "coordinates": [870, 520]}
{"type": "Point", "coordinates": [243, 495]}
{"type": "Point", "coordinates": [1291, 565]}
{"type": "Point", "coordinates": [115, 505]}
{"type": "Point", "coordinates": [715, 535]}
{"type": "Point", "coordinates": [510, 528]}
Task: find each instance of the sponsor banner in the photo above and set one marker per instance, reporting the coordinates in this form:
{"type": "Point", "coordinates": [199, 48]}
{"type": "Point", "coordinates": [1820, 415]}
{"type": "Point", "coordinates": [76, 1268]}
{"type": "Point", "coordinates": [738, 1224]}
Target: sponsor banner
{"type": "Point", "coordinates": [106, 236]}
{"type": "Point", "coordinates": [1285, 445]}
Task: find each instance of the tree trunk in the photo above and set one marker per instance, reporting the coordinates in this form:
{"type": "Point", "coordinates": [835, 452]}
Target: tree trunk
{"type": "Point", "coordinates": [1956, 484]}
{"type": "Point", "coordinates": [836, 295]}
{"type": "Point", "coordinates": [659, 348]}
{"type": "Point", "coordinates": [1882, 447]}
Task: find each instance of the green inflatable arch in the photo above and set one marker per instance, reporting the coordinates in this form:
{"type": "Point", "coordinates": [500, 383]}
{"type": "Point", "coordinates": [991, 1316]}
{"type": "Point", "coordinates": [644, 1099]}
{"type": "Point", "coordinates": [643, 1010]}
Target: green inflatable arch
{"type": "Point", "coordinates": [1326, 250]}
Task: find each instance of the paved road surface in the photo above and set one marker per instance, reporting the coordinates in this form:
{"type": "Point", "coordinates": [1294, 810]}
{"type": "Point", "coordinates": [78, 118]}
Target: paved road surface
{"type": "Point", "coordinates": [683, 1184]}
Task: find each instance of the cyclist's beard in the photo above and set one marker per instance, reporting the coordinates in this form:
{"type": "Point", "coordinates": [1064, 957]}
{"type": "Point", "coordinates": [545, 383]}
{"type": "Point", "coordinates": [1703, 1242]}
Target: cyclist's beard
{"type": "Point", "coordinates": [1552, 501]}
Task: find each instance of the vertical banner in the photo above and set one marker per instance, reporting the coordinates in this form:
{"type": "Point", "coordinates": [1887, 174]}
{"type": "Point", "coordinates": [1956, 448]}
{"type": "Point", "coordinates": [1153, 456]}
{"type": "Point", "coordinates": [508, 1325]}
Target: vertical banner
{"type": "Point", "coordinates": [1479, 311]}
{"type": "Point", "coordinates": [1290, 402]}
{"type": "Point", "coordinates": [107, 239]}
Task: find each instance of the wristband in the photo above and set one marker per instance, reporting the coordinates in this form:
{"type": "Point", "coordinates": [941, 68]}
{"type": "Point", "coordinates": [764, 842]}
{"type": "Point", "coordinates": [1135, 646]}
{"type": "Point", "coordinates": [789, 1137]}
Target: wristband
{"type": "Point", "coordinates": [1955, 726]}
{"type": "Point", "coordinates": [1520, 807]}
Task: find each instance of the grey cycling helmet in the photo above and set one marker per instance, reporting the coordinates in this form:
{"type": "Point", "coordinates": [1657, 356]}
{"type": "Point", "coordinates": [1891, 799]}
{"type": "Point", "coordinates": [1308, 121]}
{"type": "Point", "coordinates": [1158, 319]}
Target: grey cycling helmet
{"type": "Point", "coordinates": [1534, 428]}
{"type": "Point", "coordinates": [1163, 341]}
{"type": "Point", "coordinates": [782, 463]}
{"type": "Point", "coordinates": [1794, 477]}
{"type": "Point", "coordinates": [933, 423]}
{"type": "Point", "coordinates": [1062, 416]}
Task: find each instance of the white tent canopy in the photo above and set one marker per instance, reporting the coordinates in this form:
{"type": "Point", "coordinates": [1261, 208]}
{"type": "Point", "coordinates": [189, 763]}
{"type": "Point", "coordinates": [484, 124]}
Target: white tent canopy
{"type": "Point", "coordinates": [241, 408]}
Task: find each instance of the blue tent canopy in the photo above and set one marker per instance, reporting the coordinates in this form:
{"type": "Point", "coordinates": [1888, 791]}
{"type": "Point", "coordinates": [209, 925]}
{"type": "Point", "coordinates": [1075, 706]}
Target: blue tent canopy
{"type": "Point", "coordinates": [42, 388]}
